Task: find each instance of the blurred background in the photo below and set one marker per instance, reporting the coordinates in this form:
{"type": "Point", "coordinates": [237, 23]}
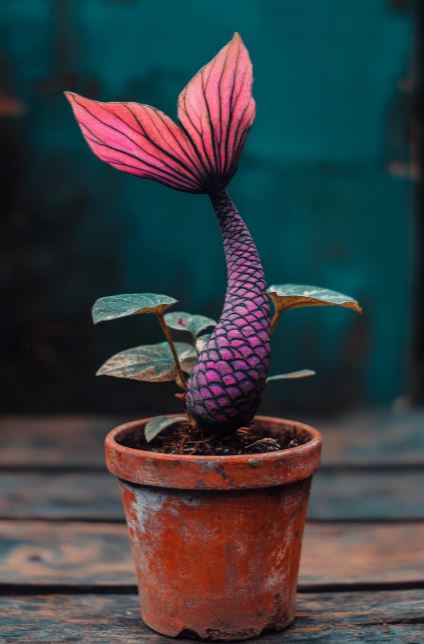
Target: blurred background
{"type": "Point", "coordinates": [328, 184]}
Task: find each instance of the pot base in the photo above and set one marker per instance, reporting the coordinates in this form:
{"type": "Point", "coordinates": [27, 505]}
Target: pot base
{"type": "Point", "coordinates": [209, 635]}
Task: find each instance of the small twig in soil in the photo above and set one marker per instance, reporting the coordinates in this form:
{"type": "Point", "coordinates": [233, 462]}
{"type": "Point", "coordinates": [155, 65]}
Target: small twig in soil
{"type": "Point", "coordinates": [268, 442]}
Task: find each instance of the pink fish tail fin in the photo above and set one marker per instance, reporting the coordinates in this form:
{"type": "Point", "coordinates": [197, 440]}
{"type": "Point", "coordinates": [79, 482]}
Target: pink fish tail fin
{"type": "Point", "coordinates": [216, 110]}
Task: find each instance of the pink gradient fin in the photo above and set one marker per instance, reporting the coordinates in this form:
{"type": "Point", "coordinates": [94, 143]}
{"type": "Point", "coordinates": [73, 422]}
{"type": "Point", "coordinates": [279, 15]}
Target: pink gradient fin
{"type": "Point", "coordinates": [137, 139]}
{"type": "Point", "coordinates": [217, 109]}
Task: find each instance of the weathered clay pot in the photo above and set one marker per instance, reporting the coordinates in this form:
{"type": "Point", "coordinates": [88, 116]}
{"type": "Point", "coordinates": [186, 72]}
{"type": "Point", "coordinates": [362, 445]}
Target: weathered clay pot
{"type": "Point", "coordinates": [216, 539]}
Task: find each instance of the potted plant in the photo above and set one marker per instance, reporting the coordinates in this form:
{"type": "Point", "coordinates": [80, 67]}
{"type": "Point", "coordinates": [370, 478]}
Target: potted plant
{"type": "Point", "coordinates": [215, 498]}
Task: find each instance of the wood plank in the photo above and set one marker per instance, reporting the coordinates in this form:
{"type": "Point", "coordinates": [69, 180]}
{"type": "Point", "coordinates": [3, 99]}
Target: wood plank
{"type": "Point", "coordinates": [74, 495]}
{"type": "Point", "coordinates": [94, 495]}
{"type": "Point", "coordinates": [395, 616]}
{"type": "Point", "coordinates": [376, 437]}
{"type": "Point", "coordinates": [75, 553]}
{"type": "Point", "coordinates": [54, 441]}
{"type": "Point", "coordinates": [367, 495]}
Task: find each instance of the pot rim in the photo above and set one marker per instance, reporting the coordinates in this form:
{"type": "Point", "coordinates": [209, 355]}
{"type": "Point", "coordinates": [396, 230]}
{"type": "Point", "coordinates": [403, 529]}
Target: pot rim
{"type": "Point", "coordinates": [240, 471]}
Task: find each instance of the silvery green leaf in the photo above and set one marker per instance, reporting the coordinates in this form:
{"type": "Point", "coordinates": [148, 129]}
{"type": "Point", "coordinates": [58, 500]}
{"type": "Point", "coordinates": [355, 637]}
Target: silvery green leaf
{"type": "Point", "coordinates": [202, 341]}
{"type": "Point", "coordinates": [188, 360]}
{"type": "Point", "coordinates": [292, 375]}
{"type": "Point", "coordinates": [158, 424]}
{"type": "Point", "coordinates": [291, 296]}
{"type": "Point", "coordinates": [121, 306]}
{"type": "Point", "coordinates": [150, 362]}
{"type": "Point", "coordinates": [182, 321]}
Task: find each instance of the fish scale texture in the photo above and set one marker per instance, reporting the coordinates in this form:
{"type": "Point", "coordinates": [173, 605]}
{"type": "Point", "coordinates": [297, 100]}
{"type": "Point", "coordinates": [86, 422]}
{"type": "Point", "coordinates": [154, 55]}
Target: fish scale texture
{"type": "Point", "coordinates": [226, 385]}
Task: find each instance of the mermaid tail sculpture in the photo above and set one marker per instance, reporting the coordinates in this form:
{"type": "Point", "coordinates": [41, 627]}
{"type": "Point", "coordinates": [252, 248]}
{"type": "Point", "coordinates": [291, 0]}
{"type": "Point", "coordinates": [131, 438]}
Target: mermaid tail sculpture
{"type": "Point", "coordinates": [216, 111]}
{"type": "Point", "coordinates": [226, 384]}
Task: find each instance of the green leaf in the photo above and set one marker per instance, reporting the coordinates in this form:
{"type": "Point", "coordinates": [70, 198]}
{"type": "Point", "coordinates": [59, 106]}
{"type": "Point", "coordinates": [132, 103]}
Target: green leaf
{"type": "Point", "coordinates": [292, 375]}
{"type": "Point", "coordinates": [202, 341]}
{"type": "Point", "coordinates": [188, 361]}
{"type": "Point", "coordinates": [182, 321]}
{"type": "Point", "coordinates": [293, 296]}
{"type": "Point", "coordinates": [158, 424]}
{"type": "Point", "coordinates": [150, 362]}
{"type": "Point", "coordinates": [121, 306]}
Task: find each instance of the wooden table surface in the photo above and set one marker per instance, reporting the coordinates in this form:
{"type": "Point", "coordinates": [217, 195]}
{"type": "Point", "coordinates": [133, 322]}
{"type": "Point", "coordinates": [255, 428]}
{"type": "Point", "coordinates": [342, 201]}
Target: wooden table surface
{"type": "Point", "coordinates": [65, 565]}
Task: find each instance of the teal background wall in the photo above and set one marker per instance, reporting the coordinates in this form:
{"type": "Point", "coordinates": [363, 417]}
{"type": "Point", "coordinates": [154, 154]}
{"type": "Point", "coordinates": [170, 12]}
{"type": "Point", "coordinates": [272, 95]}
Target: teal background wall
{"type": "Point", "coordinates": [320, 184]}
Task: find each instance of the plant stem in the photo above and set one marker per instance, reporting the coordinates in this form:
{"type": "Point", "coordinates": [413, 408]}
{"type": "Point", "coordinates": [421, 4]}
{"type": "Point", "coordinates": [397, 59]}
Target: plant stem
{"type": "Point", "coordinates": [167, 333]}
{"type": "Point", "coordinates": [244, 324]}
{"type": "Point", "coordinates": [180, 379]}
{"type": "Point", "coordinates": [275, 318]}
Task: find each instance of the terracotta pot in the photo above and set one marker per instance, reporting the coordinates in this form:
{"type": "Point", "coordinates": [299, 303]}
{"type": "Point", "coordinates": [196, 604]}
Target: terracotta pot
{"type": "Point", "coordinates": [216, 539]}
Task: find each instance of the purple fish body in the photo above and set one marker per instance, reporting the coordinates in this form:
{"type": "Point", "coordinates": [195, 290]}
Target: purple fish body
{"type": "Point", "coordinates": [216, 110]}
{"type": "Point", "coordinates": [226, 385]}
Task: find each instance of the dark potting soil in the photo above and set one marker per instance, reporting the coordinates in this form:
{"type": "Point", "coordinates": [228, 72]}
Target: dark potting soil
{"type": "Point", "coordinates": [184, 439]}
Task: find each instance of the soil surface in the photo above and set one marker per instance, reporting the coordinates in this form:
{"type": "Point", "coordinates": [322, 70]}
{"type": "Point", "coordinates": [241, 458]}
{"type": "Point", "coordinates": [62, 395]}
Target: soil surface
{"type": "Point", "coordinates": [183, 439]}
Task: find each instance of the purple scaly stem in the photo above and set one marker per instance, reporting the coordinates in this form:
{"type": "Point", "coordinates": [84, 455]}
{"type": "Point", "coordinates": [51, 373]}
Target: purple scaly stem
{"type": "Point", "coordinates": [226, 385]}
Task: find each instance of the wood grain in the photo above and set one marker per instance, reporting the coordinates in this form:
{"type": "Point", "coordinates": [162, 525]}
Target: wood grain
{"type": "Point", "coordinates": [75, 553]}
{"type": "Point", "coordinates": [73, 495]}
{"type": "Point", "coordinates": [374, 437]}
{"type": "Point", "coordinates": [359, 439]}
{"type": "Point", "coordinates": [332, 618]}
{"type": "Point", "coordinates": [367, 495]}
{"type": "Point", "coordinates": [61, 441]}
{"type": "Point", "coordinates": [94, 495]}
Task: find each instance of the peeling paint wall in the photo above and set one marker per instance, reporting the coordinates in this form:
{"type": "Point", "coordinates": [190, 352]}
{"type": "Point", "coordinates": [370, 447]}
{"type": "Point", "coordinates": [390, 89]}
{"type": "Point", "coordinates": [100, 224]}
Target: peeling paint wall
{"type": "Point", "coordinates": [321, 186]}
